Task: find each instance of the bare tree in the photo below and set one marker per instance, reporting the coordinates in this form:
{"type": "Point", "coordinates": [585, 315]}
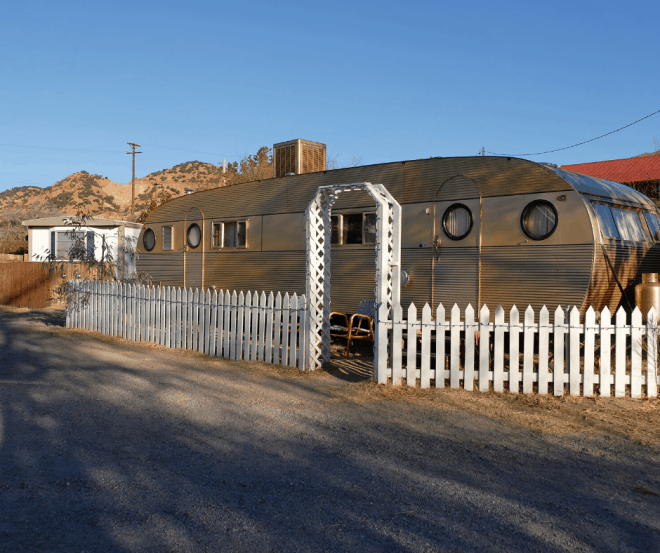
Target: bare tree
{"type": "Point", "coordinates": [332, 163]}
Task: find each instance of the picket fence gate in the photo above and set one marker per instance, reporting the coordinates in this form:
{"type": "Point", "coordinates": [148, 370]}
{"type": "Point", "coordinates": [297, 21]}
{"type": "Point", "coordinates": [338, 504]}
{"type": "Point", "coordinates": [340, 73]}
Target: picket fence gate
{"type": "Point", "coordinates": [449, 355]}
{"type": "Point", "coordinates": [239, 326]}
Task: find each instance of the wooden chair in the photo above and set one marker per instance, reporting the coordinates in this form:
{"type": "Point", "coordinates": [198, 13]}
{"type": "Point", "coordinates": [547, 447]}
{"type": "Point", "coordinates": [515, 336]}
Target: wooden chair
{"type": "Point", "coordinates": [353, 328]}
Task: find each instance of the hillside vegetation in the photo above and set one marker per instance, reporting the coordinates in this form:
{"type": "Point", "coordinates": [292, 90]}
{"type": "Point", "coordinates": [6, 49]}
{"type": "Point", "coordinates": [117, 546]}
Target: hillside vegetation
{"type": "Point", "coordinates": [107, 199]}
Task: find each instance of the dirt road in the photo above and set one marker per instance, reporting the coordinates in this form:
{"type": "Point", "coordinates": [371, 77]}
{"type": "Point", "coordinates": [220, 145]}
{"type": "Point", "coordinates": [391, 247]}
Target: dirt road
{"type": "Point", "coordinates": [107, 445]}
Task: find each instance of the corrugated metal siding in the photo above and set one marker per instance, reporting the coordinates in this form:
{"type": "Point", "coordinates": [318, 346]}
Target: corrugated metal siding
{"type": "Point", "coordinates": [496, 176]}
{"type": "Point", "coordinates": [260, 271]}
{"type": "Point", "coordinates": [535, 274]}
{"type": "Point", "coordinates": [194, 268]}
{"type": "Point", "coordinates": [194, 214]}
{"type": "Point", "coordinates": [409, 182]}
{"type": "Point", "coordinates": [354, 278]}
{"type": "Point", "coordinates": [458, 188]}
{"type": "Point", "coordinates": [456, 277]}
{"type": "Point", "coordinates": [290, 194]}
{"type": "Point", "coordinates": [629, 263]}
{"type": "Point", "coordinates": [418, 263]}
{"type": "Point", "coordinates": [166, 268]}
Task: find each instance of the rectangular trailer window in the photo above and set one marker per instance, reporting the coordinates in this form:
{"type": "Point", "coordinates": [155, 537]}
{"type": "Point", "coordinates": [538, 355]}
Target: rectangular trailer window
{"type": "Point", "coordinates": [217, 235]}
{"type": "Point", "coordinates": [167, 238]}
{"type": "Point", "coordinates": [607, 225]}
{"type": "Point", "coordinates": [335, 221]}
{"type": "Point", "coordinates": [353, 229]}
{"type": "Point", "coordinates": [653, 222]}
{"type": "Point", "coordinates": [234, 234]}
{"type": "Point", "coordinates": [628, 224]}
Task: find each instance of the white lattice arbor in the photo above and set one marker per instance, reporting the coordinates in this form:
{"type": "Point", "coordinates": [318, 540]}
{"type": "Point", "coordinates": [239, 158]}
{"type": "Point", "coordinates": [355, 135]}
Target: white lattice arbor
{"type": "Point", "coordinates": [388, 270]}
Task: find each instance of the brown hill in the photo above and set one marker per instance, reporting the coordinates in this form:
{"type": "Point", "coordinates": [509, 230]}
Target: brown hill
{"type": "Point", "coordinates": [105, 198]}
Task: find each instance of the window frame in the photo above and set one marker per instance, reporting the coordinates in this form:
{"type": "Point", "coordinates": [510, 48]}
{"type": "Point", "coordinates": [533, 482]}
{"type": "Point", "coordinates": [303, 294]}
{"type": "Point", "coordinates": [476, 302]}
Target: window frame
{"type": "Point", "coordinates": [445, 215]}
{"type": "Point", "coordinates": [524, 213]}
{"type": "Point", "coordinates": [222, 224]}
{"type": "Point", "coordinates": [171, 248]}
{"type": "Point", "coordinates": [653, 238]}
{"type": "Point", "coordinates": [643, 223]}
{"type": "Point", "coordinates": [201, 236]}
{"type": "Point", "coordinates": [340, 229]}
{"type": "Point", "coordinates": [149, 229]}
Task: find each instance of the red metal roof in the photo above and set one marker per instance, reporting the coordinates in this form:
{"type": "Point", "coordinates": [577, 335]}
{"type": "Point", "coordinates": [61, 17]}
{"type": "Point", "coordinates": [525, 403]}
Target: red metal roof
{"type": "Point", "coordinates": [634, 169]}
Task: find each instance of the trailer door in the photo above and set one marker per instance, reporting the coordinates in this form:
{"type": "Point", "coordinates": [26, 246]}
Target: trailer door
{"type": "Point", "coordinates": [457, 248]}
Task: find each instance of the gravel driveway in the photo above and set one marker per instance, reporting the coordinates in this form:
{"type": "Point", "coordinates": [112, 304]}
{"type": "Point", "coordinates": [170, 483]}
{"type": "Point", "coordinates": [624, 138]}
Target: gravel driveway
{"type": "Point", "coordinates": [107, 445]}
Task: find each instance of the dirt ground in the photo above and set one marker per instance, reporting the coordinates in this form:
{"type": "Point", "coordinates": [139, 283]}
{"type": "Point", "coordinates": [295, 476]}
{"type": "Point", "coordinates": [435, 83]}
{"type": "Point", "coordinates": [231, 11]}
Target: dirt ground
{"type": "Point", "coordinates": [108, 445]}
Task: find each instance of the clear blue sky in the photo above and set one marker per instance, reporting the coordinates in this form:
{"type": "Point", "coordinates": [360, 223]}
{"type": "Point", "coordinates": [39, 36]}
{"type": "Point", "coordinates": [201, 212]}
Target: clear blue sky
{"type": "Point", "coordinates": [382, 80]}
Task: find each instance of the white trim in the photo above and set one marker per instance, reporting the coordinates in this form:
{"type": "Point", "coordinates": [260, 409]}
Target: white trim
{"type": "Point", "coordinates": [318, 253]}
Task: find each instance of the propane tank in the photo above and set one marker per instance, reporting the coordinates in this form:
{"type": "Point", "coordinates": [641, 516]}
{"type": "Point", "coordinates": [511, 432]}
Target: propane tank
{"type": "Point", "coordinates": [647, 294]}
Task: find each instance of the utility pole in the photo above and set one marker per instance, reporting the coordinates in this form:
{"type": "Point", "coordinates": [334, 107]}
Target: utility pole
{"type": "Point", "coordinates": [133, 146]}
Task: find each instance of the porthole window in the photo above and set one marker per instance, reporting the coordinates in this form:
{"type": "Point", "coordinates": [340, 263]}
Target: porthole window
{"type": "Point", "coordinates": [539, 219]}
{"type": "Point", "coordinates": [194, 235]}
{"type": "Point", "coordinates": [149, 239]}
{"type": "Point", "coordinates": [457, 221]}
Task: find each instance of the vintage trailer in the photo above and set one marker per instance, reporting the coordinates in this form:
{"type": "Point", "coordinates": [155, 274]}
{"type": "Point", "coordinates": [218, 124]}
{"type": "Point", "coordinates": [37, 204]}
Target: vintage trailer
{"type": "Point", "coordinates": [477, 230]}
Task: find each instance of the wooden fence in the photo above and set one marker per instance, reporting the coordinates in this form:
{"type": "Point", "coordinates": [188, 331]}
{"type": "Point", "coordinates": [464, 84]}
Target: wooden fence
{"type": "Point", "coordinates": [13, 257]}
{"type": "Point", "coordinates": [30, 284]}
{"type": "Point", "coordinates": [237, 326]}
{"type": "Point", "coordinates": [594, 356]}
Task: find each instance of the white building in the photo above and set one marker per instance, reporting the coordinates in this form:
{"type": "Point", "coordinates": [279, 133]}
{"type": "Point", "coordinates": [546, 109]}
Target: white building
{"type": "Point", "coordinates": [50, 238]}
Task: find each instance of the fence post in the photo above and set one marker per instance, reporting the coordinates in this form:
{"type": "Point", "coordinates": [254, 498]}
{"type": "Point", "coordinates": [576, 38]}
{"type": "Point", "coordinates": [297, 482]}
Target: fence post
{"type": "Point", "coordinates": [262, 324]}
{"type": "Point", "coordinates": [498, 350]}
{"type": "Point", "coordinates": [214, 323]}
{"type": "Point", "coordinates": [589, 347]}
{"type": "Point", "coordinates": [544, 350]}
{"type": "Point", "coordinates": [425, 373]}
{"type": "Point", "coordinates": [574, 352]}
{"type": "Point", "coordinates": [302, 342]}
{"type": "Point", "coordinates": [558, 373]}
{"type": "Point", "coordinates": [606, 331]}
{"type": "Point", "coordinates": [652, 353]}
{"type": "Point", "coordinates": [204, 346]}
{"type": "Point", "coordinates": [397, 343]}
{"type": "Point", "coordinates": [269, 328]}
{"type": "Point", "coordinates": [285, 330]}
{"type": "Point", "coordinates": [293, 330]}
{"type": "Point", "coordinates": [620, 332]}
{"type": "Point", "coordinates": [240, 311]}
{"type": "Point", "coordinates": [440, 359]}
{"type": "Point", "coordinates": [514, 350]}
{"type": "Point", "coordinates": [468, 373]}
{"type": "Point", "coordinates": [227, 331]}
{"type": "Point", "coordinates": [221, 319]}
{"type": "Point", "coordinates": [69, 317]}
{"type": "Point", "coordinates": [276, 334]}
{"type": "Point", "coordinates": [528, 351]}
{"type": "Point", "coordinates": [455, 355]}
{"type": "Point", "coordinates": [232, 327]}
{"type": "Point", "coordinates": [411, 354]}
{"type": "Point", "coordinates": [484, 349]}
{"type": "Point", "coordinates": [248, 327]}
{"type": "Point", "coordinates": [636, 333]}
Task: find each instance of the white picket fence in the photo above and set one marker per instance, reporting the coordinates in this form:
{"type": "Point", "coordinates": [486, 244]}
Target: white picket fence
{"type": "Point", "coordinates": [570, 355]}
{"type": "Point", "coordinates": [236, 326]}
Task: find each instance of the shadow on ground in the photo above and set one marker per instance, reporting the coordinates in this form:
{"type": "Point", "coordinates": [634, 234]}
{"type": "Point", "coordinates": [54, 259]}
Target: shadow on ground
{"type": "Point", "coordinates": [111, 446]}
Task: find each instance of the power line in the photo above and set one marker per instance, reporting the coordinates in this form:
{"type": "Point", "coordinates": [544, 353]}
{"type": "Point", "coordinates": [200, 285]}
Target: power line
{"type": "Point", "coordinates": [580, 143]}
